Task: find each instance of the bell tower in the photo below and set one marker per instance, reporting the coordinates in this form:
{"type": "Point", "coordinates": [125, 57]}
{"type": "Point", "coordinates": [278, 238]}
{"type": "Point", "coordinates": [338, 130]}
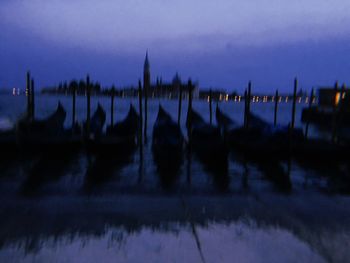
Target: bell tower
{"type": "Point", "coordinates": [146, 74]}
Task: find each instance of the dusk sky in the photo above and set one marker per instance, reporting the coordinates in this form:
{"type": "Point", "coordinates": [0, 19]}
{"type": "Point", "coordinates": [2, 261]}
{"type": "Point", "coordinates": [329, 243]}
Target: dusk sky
{"type": "Point", "coordinates": [221, 44]}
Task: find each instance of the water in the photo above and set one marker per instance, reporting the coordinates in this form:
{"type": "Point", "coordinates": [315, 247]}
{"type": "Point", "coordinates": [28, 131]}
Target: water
{"type": "Point", "coordinates": [51, 210]}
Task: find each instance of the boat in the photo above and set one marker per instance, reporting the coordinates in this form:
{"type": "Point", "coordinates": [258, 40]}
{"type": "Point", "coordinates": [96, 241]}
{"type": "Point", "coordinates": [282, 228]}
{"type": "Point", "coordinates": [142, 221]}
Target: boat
{"type": "Point", "coordinates": [97, 122]}
{"type": "Point", "coordinates": [262, 141]}
{"type": "Point", "coordinates": [8, 143]}
{"type": "Point", "coordinates": [127, 127]}
{"type": "Point", "coordinates": [208, 144]}
{"type": "Point", "coordinates": [52, 125]}
{"type": "Point", "coordinates": [119, 138]}
{"type": "Point", "coordinates": [333, 107]}
{"type": "Point", "coordinates": [200, 131]}
{"type": "Point", "coordinates": [167, 147]}
{"type": "Point", "coordinates": [46, 135]}
{"type": "Point", "coordinates": [259, 140]}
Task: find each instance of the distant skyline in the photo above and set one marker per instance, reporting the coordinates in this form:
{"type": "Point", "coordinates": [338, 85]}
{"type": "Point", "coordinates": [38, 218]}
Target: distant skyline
{"type": "Point", "coordinates": [221, 44]}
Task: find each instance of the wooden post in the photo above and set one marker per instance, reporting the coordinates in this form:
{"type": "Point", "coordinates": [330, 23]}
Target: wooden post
{"type": "Point", "coordinates": [112, 106]}
{"type": "Point", "coordinates": [245, 108]}
{"type": "Point", "coordinates": [334, 117]}
{"type": "Point", "coordinates": [294, 102]}
{"type": "Point", "coordinates": [342, 92]}
{"type": "Point", "coordinates": [140, 112]}
{"type": "Point", "coordinates": [28, 92]}
{"type": "Point", "coordinates": [73, 107]}
{"type": "Point", "coordinates": [276, 109]}
{"type": "Point", "coordinates": [180, 104]}
{"type": "Point", "coordinates": [145, 90]}
{"type": "Point", "coordinates": [308, 119]}
{"type": "Point", "coordinates": [189, 131]}
{"type": "Point", "coordinates": [32, 94]}
{"type": "Point", "coordinates": [189, 110]}
{"type": "Point", "coordinates": [210, 107]}
{"type": "Point", "coordinates": [341, 107]}
{"type": "Point", "coordinates": [248, 102]}
{"type": "Point", "coordinates": [88, 114]}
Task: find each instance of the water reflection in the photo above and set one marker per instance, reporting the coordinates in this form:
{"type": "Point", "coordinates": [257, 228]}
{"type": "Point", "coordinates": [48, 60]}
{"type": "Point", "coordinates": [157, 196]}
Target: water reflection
{"type": "Point", "coordinates": [134, 224]}
{"type": "Point", "coordinates": [44, 168]}
{"type": "Point", "coordinates": [104, 167]}
{"type": "Point", "coordinates": [168, 164]}
{"type": "Point", "coordinates": [239, 241]}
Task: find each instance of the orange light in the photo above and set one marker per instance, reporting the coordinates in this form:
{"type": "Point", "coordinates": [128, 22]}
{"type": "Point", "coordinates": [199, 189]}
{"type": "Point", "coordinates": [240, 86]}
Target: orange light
{"type": "Point", "coordinates": [337, 98]}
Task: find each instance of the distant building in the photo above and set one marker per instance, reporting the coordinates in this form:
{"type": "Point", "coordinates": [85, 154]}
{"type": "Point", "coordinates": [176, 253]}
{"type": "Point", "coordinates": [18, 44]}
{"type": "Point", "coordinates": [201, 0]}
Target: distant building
{"type": "Point", "coordinates": [328, 97]}
{"type": "Point", "coordinates": [168, 89]}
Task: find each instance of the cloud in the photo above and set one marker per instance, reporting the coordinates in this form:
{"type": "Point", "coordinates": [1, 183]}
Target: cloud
{"type": "Point", "coordinates": [128, 26]}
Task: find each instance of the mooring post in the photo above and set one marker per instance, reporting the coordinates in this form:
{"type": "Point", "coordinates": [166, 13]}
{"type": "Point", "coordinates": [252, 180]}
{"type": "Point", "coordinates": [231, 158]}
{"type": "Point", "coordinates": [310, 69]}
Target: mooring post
{"type": "Point", "coordinates": [341, 102]}
{"type": "Point", "coordinates": [294, 102]}
{"type": "Point", "coordinates": [32, 94]}
{"type": "Point", "coordinates": [276, 108]}
{"type": "Point", "coordinates": [28, 92]}
{"type": "Point", "coordinates": [140, 112]}
{"type": "Point", "coordinates": [342, 93]}
{"type": "Point", "coordinates": [112, 105]}
{"type": "Point", "coordinates": [189, 131]}
{"type": "Point", "coordinates": [245, 108]}
{"type": "Point", "coordinates": [334, 117]}
{"type": "Point", "coordinates": [88, 114]}
{"type": "Point", "coordinates": [180, 104]}
{"type": "Point", "coordinates": [189, 110]}
{"type": "Point", "coordinates": [248, 102]}
{"type": "Point", "coordinates": [73, 107]}
{"type": "Point", "coordinates": [308, 118]}
{"type": "Point", "coordinates": [145, 90]}
{"type": "Point", "coordinates": [210, 107]}
{"type": "Point", "coordinates": [341, 106]}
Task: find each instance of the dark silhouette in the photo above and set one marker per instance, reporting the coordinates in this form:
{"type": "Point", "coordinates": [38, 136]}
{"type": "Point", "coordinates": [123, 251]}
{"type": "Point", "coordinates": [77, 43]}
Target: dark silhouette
{"type": "Point", "coordinates": [209, 146]}
{"type": "Point", "coordinates": [167, 148]}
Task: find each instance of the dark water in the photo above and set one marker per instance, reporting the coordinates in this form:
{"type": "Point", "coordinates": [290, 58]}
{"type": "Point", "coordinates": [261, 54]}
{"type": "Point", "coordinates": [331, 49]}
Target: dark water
{"type": "Point", "coordinates": [64, 209]}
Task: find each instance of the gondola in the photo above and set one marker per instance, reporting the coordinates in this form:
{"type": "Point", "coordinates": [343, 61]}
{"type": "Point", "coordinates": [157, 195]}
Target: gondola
{"type": "Point", "coordinates": [52, 125]}
{"type": "Point", "coordinates": [225, 122]}
{"type": "Point", "coordinates": [119, 138]}
{"type": "Point", "coordinates": [8, 143]}
{"type": "Point", "coordinates": [167, 147]}
{"type": "Point", "coordinates": [97, 122]}
{"type": "Point", "coordinates": [259, 140]}
{"type": "Point", "coordinates": [46, 135]}
{"type": "Point", "coordinates": [256, 144]}
{"type": "Point", "coordinates": [201, 133]}
{"type": "Point", "coordinates": [262, 141]}
{"type": "Point", "coordinates": [204, 137]}
{"type": "Point", "coordinates": [206, 141]}
{"type": "Point", "coordinates": [127, 127]}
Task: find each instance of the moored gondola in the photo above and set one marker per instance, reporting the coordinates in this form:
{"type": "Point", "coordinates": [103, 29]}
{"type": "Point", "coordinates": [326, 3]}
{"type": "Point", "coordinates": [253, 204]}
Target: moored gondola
{"type": "Point", "coordinates": [259, 139]}
{"type": "Point", "coordinates": [96, 123]}
{"type": "Point", "coordinates": [8, 143]}
{"type": "Point", "coordinates": [119, 138]}
{"type": "Point", "coordinates": [167, 147]}
{"type": "Point", "coordinates": [46, 135]}
{"type": "Point", "coordinates": [128, 127]}
{"type": "Point", "coordinates": [52, 125]}
{"type": "Point", "coordinates": [203, 135]}
{"type": "Point", "coordinates": [208, 144]}
{"type": "Point", "coordinates": [262, 141]}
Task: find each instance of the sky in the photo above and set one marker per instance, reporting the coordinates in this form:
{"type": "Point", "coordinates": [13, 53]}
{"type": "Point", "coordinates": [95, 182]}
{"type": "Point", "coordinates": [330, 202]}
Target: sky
{"type": "Point", "coordinates": [220, 44]}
